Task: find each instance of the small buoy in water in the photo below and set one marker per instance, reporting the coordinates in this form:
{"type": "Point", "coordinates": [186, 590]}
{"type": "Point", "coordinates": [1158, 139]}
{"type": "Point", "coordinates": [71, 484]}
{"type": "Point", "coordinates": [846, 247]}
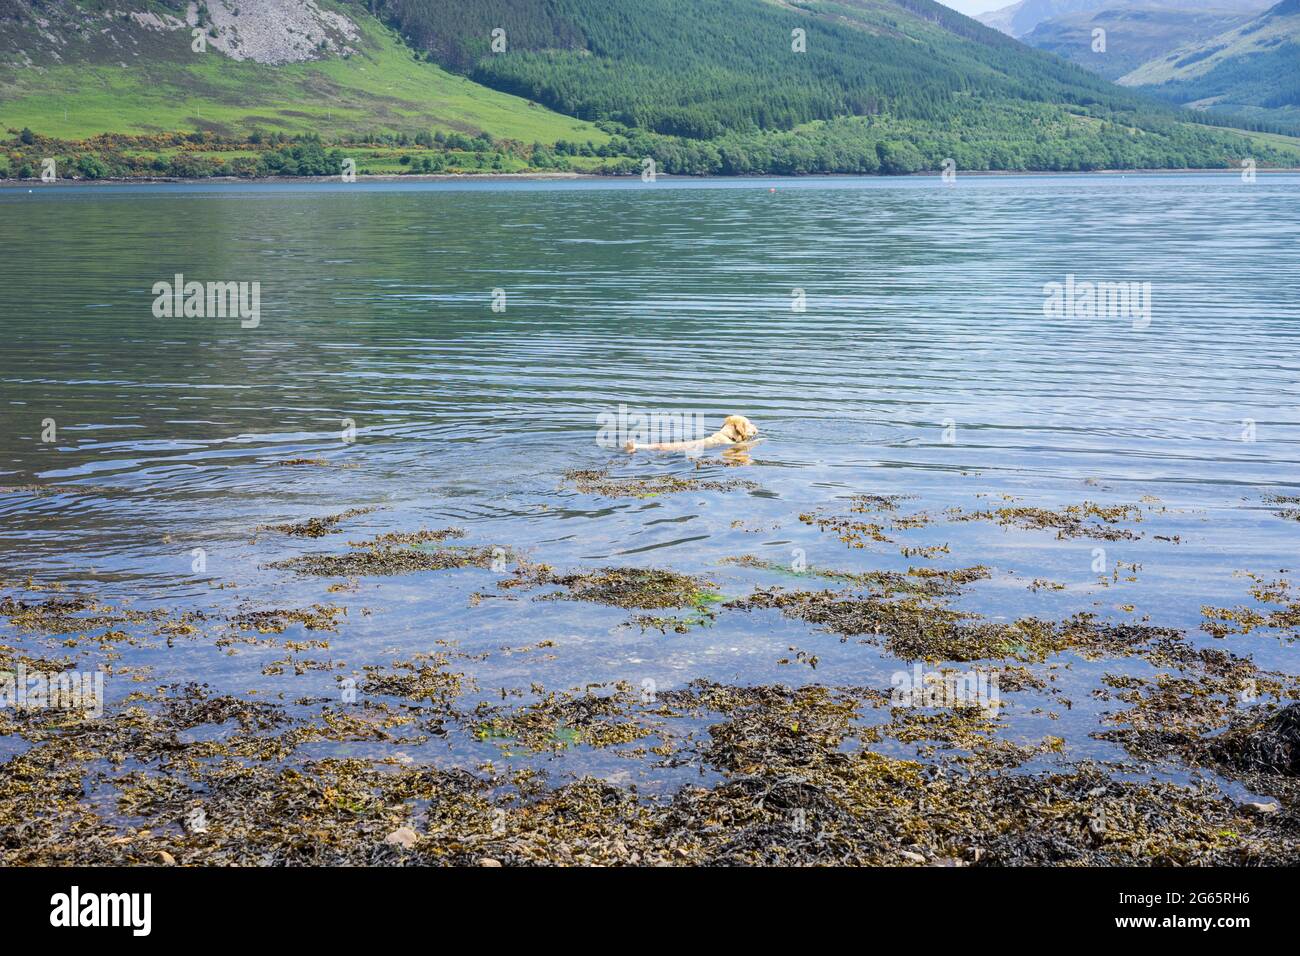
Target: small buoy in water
{"type": "Point", "coordinates": [772, 190]}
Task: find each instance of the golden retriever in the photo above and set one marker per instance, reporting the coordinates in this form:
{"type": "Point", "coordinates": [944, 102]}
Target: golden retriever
{"type": "Point", "coordinates": [735, 429]}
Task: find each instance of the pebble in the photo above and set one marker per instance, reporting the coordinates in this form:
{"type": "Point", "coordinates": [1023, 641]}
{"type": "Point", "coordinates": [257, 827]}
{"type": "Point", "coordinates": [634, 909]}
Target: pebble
{"type": "Point", "coordinates": [1263, 807]}
{"type": "Point", "coordinates": [404, 837]}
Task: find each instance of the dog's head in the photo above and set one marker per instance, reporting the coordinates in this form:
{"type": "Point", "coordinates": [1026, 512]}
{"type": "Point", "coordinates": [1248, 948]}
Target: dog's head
{"type": "Point", "coordinates": [739, 428]}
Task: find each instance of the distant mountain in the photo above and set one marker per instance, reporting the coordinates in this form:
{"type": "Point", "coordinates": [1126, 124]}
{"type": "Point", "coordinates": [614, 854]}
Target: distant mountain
{"type": "Point", "coordinates": [1133, 35]}
{"type": "Point", "coordinates": [1252, 69]}
{"type": "Point", "coordinates": [1020, 19]}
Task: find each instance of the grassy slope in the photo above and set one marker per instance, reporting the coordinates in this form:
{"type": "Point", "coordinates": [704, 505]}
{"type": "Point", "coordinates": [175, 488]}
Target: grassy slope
{"type": "Point", "coordinates": [170, 88]}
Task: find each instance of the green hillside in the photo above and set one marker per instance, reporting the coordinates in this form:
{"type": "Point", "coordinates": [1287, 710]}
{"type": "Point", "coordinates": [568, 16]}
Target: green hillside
{"type": "Point", "coordinates": [114, 87]}
{"type": "Point", "coordinates": [699, 68]}
{"type": "Point", "coordinates": [712, 85]}
{"type": "Point", "coordinates": [110, 73]}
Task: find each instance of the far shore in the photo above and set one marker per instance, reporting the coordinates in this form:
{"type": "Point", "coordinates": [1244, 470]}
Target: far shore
{"type": "Point", "coordinates": [599, 177]}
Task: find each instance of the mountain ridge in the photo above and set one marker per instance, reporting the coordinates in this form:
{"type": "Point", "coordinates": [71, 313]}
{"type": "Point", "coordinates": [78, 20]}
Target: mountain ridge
{"type": "Point", "coordinates": [1133, 35]}
{"type": "Point", "coordinates": [707, 86]}
{"type": "Point", "coordinates": [1252, 69]}
{"type": "Point", "coordinates": [1234, 57]}
{"type": "Point", "coordinates": [1021, 18]}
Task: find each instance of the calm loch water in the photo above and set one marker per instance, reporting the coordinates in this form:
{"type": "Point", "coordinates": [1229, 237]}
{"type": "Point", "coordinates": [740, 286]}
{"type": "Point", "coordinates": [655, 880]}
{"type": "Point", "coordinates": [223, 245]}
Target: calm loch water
{"type": "Point", "coordinates": [921, 364]}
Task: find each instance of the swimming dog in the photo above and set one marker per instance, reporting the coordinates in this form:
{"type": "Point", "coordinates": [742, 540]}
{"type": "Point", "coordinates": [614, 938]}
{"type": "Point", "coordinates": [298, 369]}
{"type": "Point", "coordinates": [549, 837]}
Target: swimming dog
{"type": "Point", "coordinates": [735, 429]}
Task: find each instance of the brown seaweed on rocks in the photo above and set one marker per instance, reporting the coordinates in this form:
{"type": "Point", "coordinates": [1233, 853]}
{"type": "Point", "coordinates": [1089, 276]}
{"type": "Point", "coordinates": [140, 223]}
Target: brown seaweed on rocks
{"type": "Point", "coordinates": [1288, 503]}
{"type": "Point", "coordinates": [1268, 744]}
{"type": "Point", "coordinates": [1086, 520]}
{"type": "Point", "coordinates": [423, 536]}
{"type": "Point", "coordinates": [922, 581]}
{"type": "Point", "coordinates": [316, 527]}
{"type": "Point", "coordinates": [806, 775]}
{"type": "Point", "coordinates": [387, 561]}
{"type": "Point", "coordinates": [558, 720]}
{"type": "Point", "coordinates": [71, 613]}
{"type": "Point", "coordinates": [914, 629]}
{"type": "Point", "coordinates": [592, 482]}
{"type": "Point", "coordinates": [318, 617]}
{"type": "Point", "coordinates": [644, 588]}
{"type": "Point", "coordinates": [800, 785]}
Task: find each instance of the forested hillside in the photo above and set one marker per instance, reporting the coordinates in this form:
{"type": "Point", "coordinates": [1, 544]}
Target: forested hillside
{"type": "Point", "coordinates": [870, 85]}
{"type": "Point", "coordinates": [116, 87]}
{"type": "Point", "coordinates": [699, 68]}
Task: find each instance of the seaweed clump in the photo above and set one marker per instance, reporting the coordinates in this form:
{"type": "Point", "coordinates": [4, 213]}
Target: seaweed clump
{"type": "Point", "coordinates": [1283, 617]}
{"type": "Point", "coordinates": [799, 791]}
{"type": "Point", "coordinates": [423, 536]}
{"type": "Point", "coordinates": [389, 561]}
{"type": "Point", "coordinates": [1289, 503]}
{"type": "Point", "coordinates": [430, 681]}
{"type": "Point", "coordinates": [316, 527]}
{"type": "Point", "coordinates": [913, 629]}
{"type": "Point", "coordinates": [598, 482]}
{"type": "Point", "coordinates": [561, 720]}
{"type": "Point", "coordinates": [1087, 520]}
{"type": "Point", "coordinates": [1268, 745]}
{"type": "Point", "coordinates": [318, 617]}
{"type": "Point", "coordinates": [921, 581]}
{"type": "Point", "coordinates": [909, 628]}
{"type": "Point", "coordinates": [65, 615]}
{"type": "Point", "coordinates": [644, 588]}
